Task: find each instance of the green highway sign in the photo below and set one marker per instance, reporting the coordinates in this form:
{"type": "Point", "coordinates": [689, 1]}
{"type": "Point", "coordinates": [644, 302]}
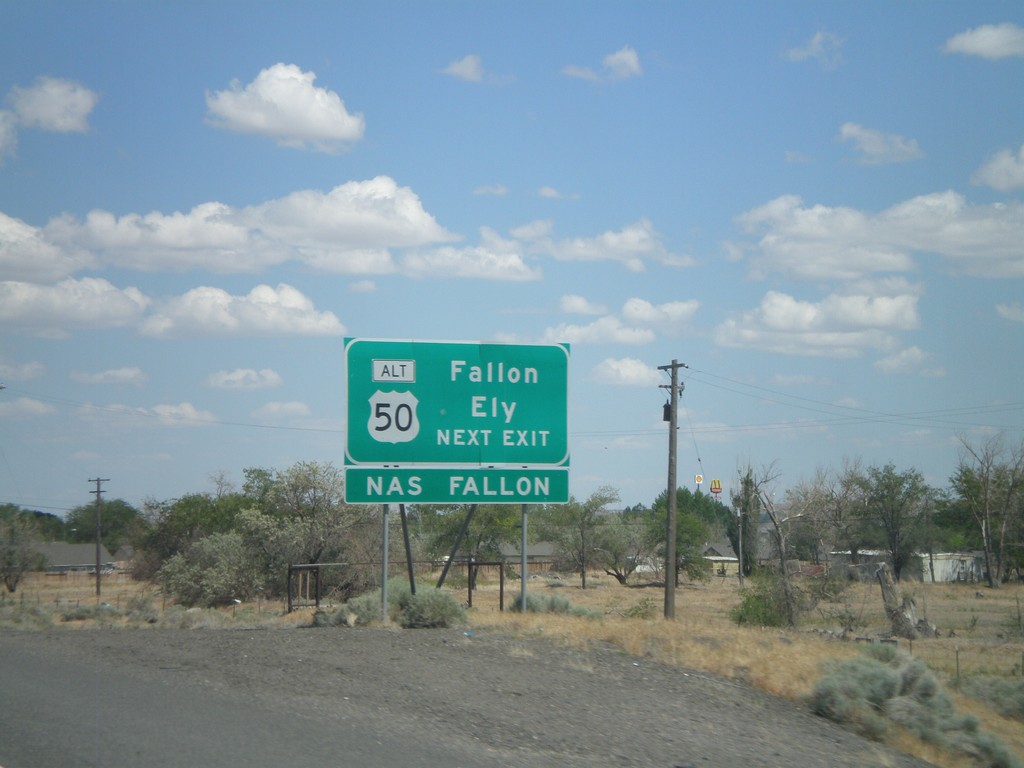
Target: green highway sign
{"type": "Point", "coordinates": [467, 485]}
{"type": "Point", "coordinates": [470, 403]}
{"type": "Point", "coordinates": [456, 422]}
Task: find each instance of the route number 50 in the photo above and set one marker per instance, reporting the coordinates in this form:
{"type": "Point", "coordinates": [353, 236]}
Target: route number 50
{"type": "Point", "coordinates": [393, 417]}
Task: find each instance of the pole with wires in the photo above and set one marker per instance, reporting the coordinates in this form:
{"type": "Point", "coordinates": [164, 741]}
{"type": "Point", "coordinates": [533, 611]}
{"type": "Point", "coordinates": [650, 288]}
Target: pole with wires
{"type": "Point", "coordinates": [99, 506]}
{"type": "Point", "coordinates": [670, 527]}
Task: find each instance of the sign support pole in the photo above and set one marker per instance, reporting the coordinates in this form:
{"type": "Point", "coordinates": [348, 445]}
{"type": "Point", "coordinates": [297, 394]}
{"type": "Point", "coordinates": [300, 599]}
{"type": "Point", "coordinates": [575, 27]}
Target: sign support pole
{"type": "Point", "coordinates": [384, 570]}
{"type": "Point", "coordinates": [522, 566]}
{"type": "Point", "coordinates": [408, 547]}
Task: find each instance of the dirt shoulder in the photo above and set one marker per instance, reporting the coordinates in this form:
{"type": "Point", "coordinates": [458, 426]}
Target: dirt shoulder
{"type": "Point", "coordinates": [526, 702]}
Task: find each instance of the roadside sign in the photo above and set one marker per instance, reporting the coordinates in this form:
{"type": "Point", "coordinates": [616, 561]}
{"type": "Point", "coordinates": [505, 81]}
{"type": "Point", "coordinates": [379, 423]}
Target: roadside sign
{"type": "Point", "coordinates": [716, 486]}
{"type": "Point", "coordinates": [457, 404]}
{"type": "Point", "coordinates": [456, 485]}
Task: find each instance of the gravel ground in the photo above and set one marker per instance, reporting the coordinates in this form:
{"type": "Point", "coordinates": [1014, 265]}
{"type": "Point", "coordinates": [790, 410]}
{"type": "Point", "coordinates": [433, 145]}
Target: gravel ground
{"type": "Point", "coordinates": [520, 702]}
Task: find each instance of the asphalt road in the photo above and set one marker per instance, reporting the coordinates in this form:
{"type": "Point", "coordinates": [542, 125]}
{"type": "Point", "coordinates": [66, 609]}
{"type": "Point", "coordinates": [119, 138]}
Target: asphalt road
{"type": "Point", "coordinates": [382, 698]}
{"type": "Point", "coordinates": [59, 713]}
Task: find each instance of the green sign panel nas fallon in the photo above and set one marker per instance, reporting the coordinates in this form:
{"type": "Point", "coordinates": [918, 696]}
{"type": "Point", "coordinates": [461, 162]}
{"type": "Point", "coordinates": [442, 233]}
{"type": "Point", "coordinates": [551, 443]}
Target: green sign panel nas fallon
{"type": "Point", "coordinates": [418, 403]}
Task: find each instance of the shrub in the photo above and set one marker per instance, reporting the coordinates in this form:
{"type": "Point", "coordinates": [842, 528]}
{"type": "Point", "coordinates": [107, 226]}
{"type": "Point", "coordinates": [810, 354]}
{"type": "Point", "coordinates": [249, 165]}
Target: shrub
{"type": "Point", "coordinates": [1005, 696]}
{"type": "Point", "coordinates": [889, 686]}
{"type": "Point", "coordinates": [99, 613]}
{"type": "Point", "coordinates": [141, 608]}
{"type": "Point", "coordinates": [430, 608]}
{"type": "Point", "coordinates": [24, 616]}
{"type": "Point", "coordinates": [647, 608]}
{"type": "Point", "coordinates": [360, 611]}
{"type": "Point", "coordinates": [763, 604]}
{"type": "Point", "coordinates": [213, 571]}
{"type": "Point", "coordinates": [553, 604]}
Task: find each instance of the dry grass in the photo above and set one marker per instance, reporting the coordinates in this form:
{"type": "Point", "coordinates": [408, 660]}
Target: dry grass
{"type": "Point", "coordinates": [979, 628]}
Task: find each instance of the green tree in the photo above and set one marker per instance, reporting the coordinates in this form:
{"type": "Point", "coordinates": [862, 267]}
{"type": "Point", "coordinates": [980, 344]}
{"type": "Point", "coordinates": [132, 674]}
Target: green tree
{"type": "Point", "coordinates": [622, 543]}
{"type": "Point", "coordinates": [894, 502]}
{"type": "Point", "coordinates": [120, 523]}
{"type": "Point", "coordinates": [19, 534]}
{"type": "Point", "coordinates": [305, 520]}
{"type": "Point", "coordinates": [490, 528]}
{"type": "Point", "coordinates": [173, 526]}
{"type": "Point", "coordinates": [573, 527]}
{"type": "Point", "coordinates": [696, 515]}
{"type": "Point", "coordinates": [989, 482]}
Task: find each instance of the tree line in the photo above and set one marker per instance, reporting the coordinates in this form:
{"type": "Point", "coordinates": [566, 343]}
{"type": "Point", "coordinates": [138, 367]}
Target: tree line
{"type": "Point", "coordinates": [209, 548]}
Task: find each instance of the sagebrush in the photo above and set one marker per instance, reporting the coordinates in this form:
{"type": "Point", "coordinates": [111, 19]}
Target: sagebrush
{"type": "Point", "coordinates": [888, 687]}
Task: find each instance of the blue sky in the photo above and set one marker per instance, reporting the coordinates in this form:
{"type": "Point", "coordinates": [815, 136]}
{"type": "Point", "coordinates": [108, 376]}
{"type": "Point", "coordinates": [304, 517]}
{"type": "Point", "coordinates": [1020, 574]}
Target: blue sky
{"type": "Point", "coordinates": [816, 206]}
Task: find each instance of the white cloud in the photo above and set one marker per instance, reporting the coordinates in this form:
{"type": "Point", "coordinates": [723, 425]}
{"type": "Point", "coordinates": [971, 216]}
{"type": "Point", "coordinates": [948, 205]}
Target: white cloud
{"type": "Point", "coordinates": [627, 372]}
{"type": "Point", "coordinates": [8, 134]}
{"type": "Point", "coordinates": [823, 47]}
{"type": "Point", "coordinates": [26, 254]}
{"type": "Point", "coordinates": [19, 371]}
{"type": "Point", "coordinates": [990, 41]}
{"type": "Point", "coordinates": [495, 258]}
{"type": "Point", "coordinates": [606, 330]}
{"type": "Point", "coordinates": [362, 286]}
{"type": "Point", "coordinates": [348, 230]}
{"type": "Point", "coordinates": [635, 324]}
{"type": "Point", "coordinates": [838, 243]}
{"type": "Point", "coordinates": [910, 360]}
{"type": "Point", "coordinates": [630, 246]}
{"type": "Point", "coordinates": [838, 326]}
{"type": "Point", "coordinates": [577, 305]}
{"type": "Point", "coordinates": [360, 217]}
{"type": "Point", "coordinates": [70, 304]}
{"type": "Point", "coordinates": [245, 378]}
{"type": "Point", "coordinates": [283, 103]}
{"type": "Point", "coordinates": [620, 65]}
{"type": "Point", "coordinates": [1013, 312]}
{"type": "Point", "coordinates": [210, 236]}
{"type": "Point", "coordinates": [265, 311]}
{"type": "Point", "coordinates": [538, 230]}
{"type": "Point", "coordinates": [1004, 171]}
{"type": "Point", "coordinates": [24, 407]}
{"type": "Point", "coordinates": [879, 148]}
{"type": "Point", "coordinates": [669, 317]}
{"type": "Point", "coordinates": [128, 375]}
{"type": "Point", "coordinates": [491, 190]}
{"type": "Point", "coordinates": [477, 262]}
{"type": "Point", "coordinates": [165, 414]}
{"type": "Point", "coordinates": [581, 73]}
{"type": "Point", "coordinates": [53, 104]}
{"type": "Point", "coordinates": [281, 411]}
{"type": "Point", "coordinates": [182, 414]}
{"type": "Point", "coordinates": [551, 193]}
{"type": "Point", "coordinates": [467, 68]}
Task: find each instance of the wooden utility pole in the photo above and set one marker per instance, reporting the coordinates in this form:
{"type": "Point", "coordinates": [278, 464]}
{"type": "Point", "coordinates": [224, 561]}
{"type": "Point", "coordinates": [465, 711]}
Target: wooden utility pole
{"type": "Point", "coordinates": [670, 532]}
{"type": "Point", "coordinates": [99, 504]}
